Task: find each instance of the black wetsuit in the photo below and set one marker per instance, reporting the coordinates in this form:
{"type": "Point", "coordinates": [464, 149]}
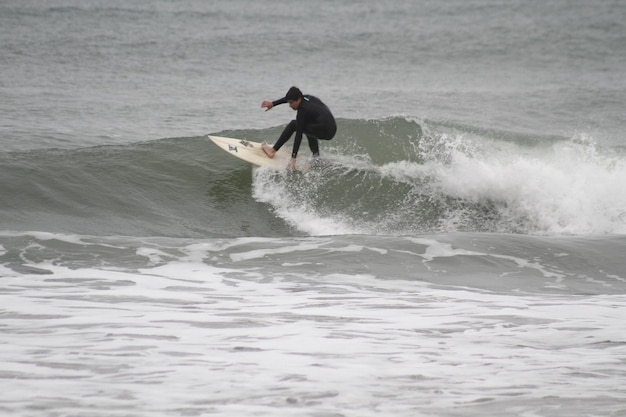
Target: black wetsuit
{"type": "Point", "coordinates": [314, 119]}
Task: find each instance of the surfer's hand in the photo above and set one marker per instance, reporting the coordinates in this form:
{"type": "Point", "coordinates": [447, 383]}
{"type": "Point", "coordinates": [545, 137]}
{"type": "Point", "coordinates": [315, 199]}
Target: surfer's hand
{"type": "Point", "coordinates": [291, 166]}
{"type": "Point", "coordinates": [267, 105]}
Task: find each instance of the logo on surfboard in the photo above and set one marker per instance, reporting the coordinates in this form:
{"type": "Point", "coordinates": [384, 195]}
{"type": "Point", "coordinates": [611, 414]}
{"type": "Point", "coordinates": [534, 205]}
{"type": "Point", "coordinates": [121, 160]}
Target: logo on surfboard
{"type": "Point", "coordinates": [232, 148]}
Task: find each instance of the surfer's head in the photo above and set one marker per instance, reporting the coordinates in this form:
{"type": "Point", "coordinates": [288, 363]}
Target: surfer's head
{"type": "Point", "coordinates": [293, 94]}
{"type": "Point", "coordinates": [294, 97]}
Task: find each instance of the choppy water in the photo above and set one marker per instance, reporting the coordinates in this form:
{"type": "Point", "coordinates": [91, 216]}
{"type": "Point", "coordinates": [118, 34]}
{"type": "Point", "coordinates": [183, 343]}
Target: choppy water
{"type": "Point", "coordinates": [461, 251]}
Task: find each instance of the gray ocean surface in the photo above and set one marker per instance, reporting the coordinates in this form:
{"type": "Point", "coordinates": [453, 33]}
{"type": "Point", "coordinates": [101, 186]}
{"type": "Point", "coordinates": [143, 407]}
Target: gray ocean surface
{"type": "Point", "coordinates": [460, 252]}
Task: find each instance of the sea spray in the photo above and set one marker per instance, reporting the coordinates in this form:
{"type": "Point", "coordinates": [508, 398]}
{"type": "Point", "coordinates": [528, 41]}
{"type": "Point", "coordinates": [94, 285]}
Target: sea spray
{"type": "Point", "coordinates": [450, 181]}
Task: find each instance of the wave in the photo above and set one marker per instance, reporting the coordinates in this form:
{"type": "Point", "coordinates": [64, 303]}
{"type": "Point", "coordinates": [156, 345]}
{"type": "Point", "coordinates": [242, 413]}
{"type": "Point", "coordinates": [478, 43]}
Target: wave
{"type": "Point", "coordinates": [396, 176]}
{"type": "Point", "coordinates": [510, 264]}
{"type": "Point", "coordinates": [389, 176]}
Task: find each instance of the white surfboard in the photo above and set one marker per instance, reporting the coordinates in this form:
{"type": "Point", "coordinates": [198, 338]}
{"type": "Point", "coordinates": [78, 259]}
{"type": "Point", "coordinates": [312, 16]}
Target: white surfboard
{"type": "Point", "coordinates": [253, 153]}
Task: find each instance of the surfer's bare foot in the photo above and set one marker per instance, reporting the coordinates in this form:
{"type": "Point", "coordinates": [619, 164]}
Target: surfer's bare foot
{"type": "Point", "coordinates": [269, 151]}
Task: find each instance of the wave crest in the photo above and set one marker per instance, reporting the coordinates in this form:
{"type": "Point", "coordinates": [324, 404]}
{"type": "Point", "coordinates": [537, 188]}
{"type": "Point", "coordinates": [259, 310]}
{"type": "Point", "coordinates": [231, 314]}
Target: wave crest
{"type": "Point", "coordinates": [389, 176]}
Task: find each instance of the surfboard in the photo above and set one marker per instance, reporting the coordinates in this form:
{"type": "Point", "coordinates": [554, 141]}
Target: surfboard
{"type": "Point", "coordinates": [253, 153]}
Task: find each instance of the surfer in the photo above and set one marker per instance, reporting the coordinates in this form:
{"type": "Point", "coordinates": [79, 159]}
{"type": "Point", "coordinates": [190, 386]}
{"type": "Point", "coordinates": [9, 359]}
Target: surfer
{"type": "Point", "coordinates": [314, 120]}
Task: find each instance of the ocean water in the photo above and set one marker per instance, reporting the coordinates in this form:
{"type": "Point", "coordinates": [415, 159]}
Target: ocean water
{"type": "Point", "coordinates": [460, 252]}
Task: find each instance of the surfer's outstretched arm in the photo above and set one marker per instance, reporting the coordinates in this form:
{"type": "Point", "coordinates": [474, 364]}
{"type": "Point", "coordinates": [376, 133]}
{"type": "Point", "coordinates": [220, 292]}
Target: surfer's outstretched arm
{"type": "Point", "coordinates": [267, 105]}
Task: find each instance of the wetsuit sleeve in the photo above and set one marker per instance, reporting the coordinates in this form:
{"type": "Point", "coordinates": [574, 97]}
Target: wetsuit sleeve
{"type": "Point", "coordinates": [279, 101]}
{"type": "Point", "coordinates": [299, 130]}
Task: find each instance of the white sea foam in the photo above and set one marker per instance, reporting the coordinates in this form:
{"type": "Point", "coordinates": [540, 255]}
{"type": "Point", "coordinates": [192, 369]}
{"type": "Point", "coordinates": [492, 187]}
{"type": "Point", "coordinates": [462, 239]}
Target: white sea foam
{"type": "Point", "coordinates": [190, 336]}
{"type": "Point", "coordinates": [567, 189]}
{"type": "Point", "coordinates": [296, 212]}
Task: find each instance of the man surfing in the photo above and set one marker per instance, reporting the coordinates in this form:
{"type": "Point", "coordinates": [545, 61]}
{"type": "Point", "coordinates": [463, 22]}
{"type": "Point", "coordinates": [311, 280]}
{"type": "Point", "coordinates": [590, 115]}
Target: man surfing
{"type": "Point", "coordinates": [314, 119]}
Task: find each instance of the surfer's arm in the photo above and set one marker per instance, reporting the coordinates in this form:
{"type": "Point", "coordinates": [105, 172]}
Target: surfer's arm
{"type": "Point", "coordinates": [269, 104]}
{"type": "Point", "coordinates": [279, 101]}
{"type": "Point", "coordinates": [298, 138]}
